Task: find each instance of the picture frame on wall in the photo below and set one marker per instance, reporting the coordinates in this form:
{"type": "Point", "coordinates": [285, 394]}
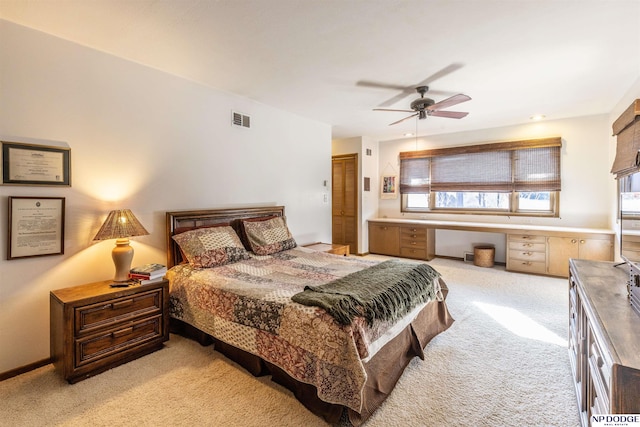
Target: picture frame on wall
{"type": "Point", "coordinates": [31, 164]}
{"type": "Point", "coordinates": [389, 187]}
{"type": "Point", "coordinates": [36, 227]}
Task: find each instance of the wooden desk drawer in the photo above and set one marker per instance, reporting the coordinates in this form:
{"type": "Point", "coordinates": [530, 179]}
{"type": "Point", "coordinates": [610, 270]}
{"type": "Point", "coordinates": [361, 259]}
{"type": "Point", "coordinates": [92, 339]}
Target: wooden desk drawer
{"type": "Point", "coordinates": [413, 232]}
{"type": "Point", "coordinates": [526, 238]}
{"type": "Point", "coordinates": [128, 335]}
{"type": "Point", "coordinates": [525, 255]}
{"type": "Point", "coordinates": [417, 253]}
{"type": "Point", "coordinates": [535, 267]}
{"type": "Point", "coordinates": [103, 314]}
{"type": "Point", "coordinates": [412, 243]}
{"type": "Point", "coordinates": [528, 246]}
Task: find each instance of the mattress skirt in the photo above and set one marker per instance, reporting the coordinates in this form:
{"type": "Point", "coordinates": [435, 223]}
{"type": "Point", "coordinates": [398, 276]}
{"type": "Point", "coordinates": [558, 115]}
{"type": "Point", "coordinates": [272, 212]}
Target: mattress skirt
{"type": "Point", "coordinates": [383, 370]}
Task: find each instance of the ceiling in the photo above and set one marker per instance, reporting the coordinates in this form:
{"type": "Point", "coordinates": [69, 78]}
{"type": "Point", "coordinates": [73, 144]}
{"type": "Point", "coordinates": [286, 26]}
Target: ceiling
{"type": "Point", "coordinates": [514, 58]}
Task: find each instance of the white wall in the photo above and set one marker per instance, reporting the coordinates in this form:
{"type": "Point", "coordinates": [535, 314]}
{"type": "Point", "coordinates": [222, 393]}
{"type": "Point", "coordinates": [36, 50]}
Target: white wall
{"type": "Point", "coordinates": [144, 140]}
{"type": "Point", "coordinates": [587, 186]}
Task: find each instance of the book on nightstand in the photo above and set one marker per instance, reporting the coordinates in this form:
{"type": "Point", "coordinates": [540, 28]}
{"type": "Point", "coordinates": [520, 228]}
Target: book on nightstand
{"type": "Point", "coordinates": [147, 273]}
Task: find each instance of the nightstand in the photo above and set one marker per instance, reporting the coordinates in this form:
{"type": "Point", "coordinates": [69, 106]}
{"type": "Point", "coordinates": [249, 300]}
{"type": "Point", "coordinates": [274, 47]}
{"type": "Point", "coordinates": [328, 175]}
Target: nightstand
{"type": "Point", "coordinates": [331, 248]}
{"type": "Point", "coordinates": [95, 327]}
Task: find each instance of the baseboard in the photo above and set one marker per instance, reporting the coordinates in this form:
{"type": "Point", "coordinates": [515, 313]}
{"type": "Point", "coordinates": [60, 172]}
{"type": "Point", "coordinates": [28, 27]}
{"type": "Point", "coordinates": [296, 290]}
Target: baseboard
{"type": "Point", "coordinates": [23, 369]}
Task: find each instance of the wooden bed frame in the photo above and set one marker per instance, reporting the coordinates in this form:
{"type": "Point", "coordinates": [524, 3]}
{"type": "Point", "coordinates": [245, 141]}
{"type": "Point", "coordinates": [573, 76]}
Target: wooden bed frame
{"type": "Point", "coordinates": [383, 370]}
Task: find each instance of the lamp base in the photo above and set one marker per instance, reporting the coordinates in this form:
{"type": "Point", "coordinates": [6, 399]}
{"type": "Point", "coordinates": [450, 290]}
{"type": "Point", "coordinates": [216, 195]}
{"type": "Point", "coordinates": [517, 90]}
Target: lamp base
{"type": "Point", "coordinates": [122, 256]}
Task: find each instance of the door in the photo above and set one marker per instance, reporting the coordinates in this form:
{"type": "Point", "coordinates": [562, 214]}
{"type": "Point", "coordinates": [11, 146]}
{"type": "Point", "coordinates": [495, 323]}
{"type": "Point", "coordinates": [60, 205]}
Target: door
{"type": "Point", "coordinates": [344, 200]}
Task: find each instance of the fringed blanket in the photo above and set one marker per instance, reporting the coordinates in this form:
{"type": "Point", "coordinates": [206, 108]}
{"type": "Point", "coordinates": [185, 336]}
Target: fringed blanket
{"type": "Point", "coordinates": [387, 291]}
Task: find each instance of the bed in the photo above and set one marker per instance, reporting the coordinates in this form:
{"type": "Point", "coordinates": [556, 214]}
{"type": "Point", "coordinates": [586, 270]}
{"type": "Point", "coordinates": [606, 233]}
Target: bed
{"type": "Point", "coordinates": [340, 361]}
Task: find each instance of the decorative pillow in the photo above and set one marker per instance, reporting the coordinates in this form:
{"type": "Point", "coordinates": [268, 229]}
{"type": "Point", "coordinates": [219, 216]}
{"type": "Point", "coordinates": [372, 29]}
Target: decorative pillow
{"type": "Point", "coordinates": [269, 236]}
{"type": "Point", "coordinates": [211, 247]}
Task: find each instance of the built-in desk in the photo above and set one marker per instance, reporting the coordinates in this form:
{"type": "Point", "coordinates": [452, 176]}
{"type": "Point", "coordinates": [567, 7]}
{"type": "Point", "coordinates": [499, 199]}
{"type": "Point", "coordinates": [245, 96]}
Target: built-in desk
{"type": "Point", "coordinates": [530, 248]}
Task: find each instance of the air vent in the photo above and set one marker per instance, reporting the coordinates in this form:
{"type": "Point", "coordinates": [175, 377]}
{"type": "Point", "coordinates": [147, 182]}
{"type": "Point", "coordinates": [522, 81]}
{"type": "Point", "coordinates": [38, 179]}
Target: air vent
{"type": "Point", "coordinates": [238, 119]}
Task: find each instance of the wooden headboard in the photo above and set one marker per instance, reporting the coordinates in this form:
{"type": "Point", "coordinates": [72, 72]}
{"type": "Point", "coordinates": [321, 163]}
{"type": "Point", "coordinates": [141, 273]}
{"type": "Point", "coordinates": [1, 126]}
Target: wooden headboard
{"type": "Point", "coordinates": [181, 221]}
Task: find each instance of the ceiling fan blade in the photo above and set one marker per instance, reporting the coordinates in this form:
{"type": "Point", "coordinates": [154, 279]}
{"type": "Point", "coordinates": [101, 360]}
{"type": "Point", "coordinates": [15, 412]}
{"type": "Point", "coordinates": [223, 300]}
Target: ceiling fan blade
{"type": "Point", "coordinates": [391, 109]}
{"type": "Point", "coordinates": [402, 120]}
{"type": "Point", "coordinates": [455, 99]}
{"type": "Point", "coordinates": [439, 74]}
{"type": "Point", "coordinates": [408, 90]}
{"type": "Point", "coordinates": [380, 85]}
{"type": "Point", "coordinates": [399, 97]}
{"type": "Point", "coordinates": [448, 114]}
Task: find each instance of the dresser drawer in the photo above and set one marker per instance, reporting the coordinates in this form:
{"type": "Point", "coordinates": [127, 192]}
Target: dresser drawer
{"type": "Point", "coordinates": [115, 341]}
{"type": "Point", "coordinates": [535, 267]}
{"type": "Point", "coordinates": [525, 255]}
{"type": "Point", "coordinates": [526, 238]}
{"type": "Point", "coordinates": [104, 314]}
{"type": "Point", "coordinates": [527, 247]}
{"type": "Point", "coordinates": [600, 370]}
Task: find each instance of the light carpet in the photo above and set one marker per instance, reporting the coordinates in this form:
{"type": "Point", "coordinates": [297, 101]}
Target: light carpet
{"type": "Point", "coordinates": [504, 362]}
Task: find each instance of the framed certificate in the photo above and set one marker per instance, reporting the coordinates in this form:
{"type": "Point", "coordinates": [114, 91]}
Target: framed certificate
{"type": "Point", "coordinates": [30, 164]}
{"type": "Point", "coordinates": [36, 226]}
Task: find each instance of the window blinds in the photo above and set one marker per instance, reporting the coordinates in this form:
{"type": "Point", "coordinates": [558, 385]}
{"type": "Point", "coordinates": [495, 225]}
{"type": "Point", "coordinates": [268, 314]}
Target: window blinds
{"type": "Point", "coordinates": [627, 129]}
{"type": "Point", "coordinates": [532, 165]}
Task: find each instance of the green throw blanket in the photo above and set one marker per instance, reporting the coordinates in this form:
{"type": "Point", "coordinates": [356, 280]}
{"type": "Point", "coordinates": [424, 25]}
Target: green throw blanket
{"type": "Point", "coordinates": [387, 291]}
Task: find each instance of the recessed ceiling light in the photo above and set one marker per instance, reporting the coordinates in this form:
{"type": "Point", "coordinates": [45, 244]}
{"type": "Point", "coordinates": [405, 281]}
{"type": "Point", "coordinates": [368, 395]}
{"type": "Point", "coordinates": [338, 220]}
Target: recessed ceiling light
{"type": "Point", "coordinates": [408, 134]}
{"type": "Point", "coordinates": [537, 117]}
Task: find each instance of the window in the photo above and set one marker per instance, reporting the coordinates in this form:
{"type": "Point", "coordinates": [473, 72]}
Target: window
{"type": "Point", "coordinates": [510, 178]}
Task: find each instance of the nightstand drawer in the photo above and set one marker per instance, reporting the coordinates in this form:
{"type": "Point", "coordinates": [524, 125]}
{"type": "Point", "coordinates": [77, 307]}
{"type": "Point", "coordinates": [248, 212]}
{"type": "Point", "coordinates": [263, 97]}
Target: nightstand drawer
{"type": "Point", "coordinates": [92, 317]}
{"type": "Point", "coordinates": [115, 341]}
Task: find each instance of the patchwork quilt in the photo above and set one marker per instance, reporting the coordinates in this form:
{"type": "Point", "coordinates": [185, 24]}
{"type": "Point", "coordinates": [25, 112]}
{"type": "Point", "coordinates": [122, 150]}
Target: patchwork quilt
{"type": "Point", "coordinates": [248, 305]}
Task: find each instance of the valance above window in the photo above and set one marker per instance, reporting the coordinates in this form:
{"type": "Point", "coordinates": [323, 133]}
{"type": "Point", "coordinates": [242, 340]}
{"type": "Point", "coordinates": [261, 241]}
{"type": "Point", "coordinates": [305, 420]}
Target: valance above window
{"type": "Point", "coordinates": [532, 165]}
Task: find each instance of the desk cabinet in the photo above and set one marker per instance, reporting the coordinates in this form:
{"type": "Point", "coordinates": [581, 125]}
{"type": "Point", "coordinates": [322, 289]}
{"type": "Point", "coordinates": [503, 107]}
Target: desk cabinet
{"type": "Point", "coordinates": [527, 253]}
{"type": "Point", "coordinates": [561, 249]}
{"type": "Point", "coordinates": [550, 253]}
{"type": "Point", "coordinates": [403, 240]}
{"type": "Point", "coordinates": [604, 340]}
{"type": "Point", "coordinates": [95, 327]}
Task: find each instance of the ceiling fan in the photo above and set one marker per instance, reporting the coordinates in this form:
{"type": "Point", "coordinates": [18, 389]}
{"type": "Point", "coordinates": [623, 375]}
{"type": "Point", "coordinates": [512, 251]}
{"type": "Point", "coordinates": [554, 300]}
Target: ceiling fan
{"type": "Point", "coordinates": [423, 107]}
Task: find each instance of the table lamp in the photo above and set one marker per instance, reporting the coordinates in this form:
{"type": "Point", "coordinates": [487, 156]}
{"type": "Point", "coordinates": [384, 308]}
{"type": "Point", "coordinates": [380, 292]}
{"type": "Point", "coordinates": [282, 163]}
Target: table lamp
{"type": "Point", "coordinates": [121, 224]}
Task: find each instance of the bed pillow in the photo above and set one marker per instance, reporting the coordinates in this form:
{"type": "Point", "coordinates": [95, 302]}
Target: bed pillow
{"type": "Point", "coordinates": [268, 236]}
{"type": "Point", "coordinates": [211, 247]}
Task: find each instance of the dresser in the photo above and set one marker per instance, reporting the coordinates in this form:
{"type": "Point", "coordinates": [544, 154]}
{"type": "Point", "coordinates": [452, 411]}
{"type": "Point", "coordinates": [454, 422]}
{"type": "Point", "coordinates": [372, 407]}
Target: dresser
{"type": "Point", "coordinates": [604, 340]}
{"type": "Point", "coordinates": [95, 327]}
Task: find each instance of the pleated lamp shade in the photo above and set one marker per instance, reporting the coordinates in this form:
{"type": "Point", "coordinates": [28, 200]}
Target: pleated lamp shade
{"type": "Point", "coordinates": [121, 224]}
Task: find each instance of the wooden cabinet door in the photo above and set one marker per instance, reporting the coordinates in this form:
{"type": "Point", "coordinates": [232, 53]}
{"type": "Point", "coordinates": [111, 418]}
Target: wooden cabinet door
{"type": "Point", "coordinates": [344, 199]}
{"type": "Point", "coordinates": [560, 250]}
{"type": "Point", "coordinates": [596, 249]}
{"type": "Point", "coordinates": [384, 239]}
